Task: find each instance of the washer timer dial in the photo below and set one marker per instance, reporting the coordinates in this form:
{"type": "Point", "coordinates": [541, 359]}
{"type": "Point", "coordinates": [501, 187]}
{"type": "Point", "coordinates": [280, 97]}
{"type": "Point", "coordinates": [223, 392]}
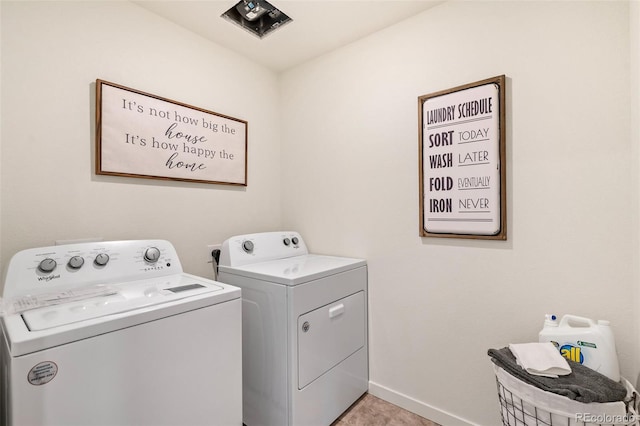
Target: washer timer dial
{"type": "Point", "coordinates": [247, 246]}
{"type": "Point", "coordinates": [152, 254]}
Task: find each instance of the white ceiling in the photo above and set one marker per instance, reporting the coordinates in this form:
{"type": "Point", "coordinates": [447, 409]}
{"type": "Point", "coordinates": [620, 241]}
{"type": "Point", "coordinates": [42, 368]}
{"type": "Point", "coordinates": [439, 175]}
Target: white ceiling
{"type": "Point", "coordinates": [318, 26]}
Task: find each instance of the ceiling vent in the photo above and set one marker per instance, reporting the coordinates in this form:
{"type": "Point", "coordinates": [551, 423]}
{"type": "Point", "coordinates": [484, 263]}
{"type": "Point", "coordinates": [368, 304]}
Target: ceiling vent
{"type": "Point", "coordinates": [259, 17]}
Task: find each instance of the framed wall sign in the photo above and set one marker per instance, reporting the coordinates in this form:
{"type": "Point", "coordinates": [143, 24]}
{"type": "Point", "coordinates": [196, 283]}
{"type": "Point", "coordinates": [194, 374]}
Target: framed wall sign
{"type": "Point", "coordinates": [462, 161]}
{"type": "Point", "coordinates": [146, 136]}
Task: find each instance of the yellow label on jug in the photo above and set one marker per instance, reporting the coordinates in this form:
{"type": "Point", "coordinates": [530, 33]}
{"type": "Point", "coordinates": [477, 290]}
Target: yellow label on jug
{"type": "Point", "coordinates": [572, 352]}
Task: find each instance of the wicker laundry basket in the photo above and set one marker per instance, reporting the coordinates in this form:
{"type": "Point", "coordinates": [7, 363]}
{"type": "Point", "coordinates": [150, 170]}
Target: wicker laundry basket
{"type": "Point", "coordinates": [522, 404]}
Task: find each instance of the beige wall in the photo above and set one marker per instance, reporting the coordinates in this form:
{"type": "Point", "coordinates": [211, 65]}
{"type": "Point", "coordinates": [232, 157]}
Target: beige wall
{"type": "Point", "coordinates": [436, 306]}
{"type": "Point", "coordinates": [52, 53]}
{"type": "Point", "coordinates": [333, 154]}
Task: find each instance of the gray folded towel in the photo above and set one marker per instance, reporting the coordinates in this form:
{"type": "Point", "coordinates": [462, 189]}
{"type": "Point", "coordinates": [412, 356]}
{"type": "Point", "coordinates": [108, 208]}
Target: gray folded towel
{"type": "Point", "coordinates": [583, 384]}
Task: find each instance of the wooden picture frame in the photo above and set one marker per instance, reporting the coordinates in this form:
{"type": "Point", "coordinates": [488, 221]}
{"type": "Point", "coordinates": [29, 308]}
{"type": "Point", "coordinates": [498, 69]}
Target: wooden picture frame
{"type": "Point", "coordinates": [146, 136]}
{"type": "Point", "coordinates": [462, 161]}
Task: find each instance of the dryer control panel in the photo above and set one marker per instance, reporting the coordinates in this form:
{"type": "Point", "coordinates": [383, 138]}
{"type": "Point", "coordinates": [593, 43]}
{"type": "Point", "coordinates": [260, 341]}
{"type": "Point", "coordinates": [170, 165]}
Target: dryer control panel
{"type": "Point", "coordinates": [254, 248]}
{"type": "Point", "coordinates": [72, 266]}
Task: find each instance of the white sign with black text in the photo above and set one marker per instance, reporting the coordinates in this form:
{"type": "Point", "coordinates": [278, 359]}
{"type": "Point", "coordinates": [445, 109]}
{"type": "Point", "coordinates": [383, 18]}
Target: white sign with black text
{"type": "Point", "coordinates": [461, 162]}
{"type": "Point", "coordinates": [142, 135]}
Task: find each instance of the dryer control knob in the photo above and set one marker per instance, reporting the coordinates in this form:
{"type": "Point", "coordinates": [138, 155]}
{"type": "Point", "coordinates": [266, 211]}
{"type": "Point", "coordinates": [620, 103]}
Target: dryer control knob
{"type": "Point", "coordinates": [47, 265]}
{"type": "Point", "coordinates": [247, 246]}
{"type": "Point", "coordinates": [295, 240]}
{"type": "Point", "coordinates": [152, 254]}
{"type": "Point", "coordinates": [286, 241]}
{"type": "Point", "coordinates": [101, 259]}
{"type": "Point", "coordinates": [75, 262]}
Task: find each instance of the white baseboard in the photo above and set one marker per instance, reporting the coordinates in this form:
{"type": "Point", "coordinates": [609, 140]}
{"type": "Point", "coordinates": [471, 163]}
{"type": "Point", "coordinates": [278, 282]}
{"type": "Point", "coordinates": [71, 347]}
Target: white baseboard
{"type": "Point", "coordinates": [420, 408]}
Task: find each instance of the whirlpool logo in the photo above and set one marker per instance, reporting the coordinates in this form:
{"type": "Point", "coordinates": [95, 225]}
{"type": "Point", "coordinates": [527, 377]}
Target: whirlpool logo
{"type": "Point", "coordinates": [49, 278]}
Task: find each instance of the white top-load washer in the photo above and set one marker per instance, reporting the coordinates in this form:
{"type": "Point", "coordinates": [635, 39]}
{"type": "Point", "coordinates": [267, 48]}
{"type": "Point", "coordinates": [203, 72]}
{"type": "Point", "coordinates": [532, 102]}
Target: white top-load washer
{"type": "Point", "coordinates": [305, 358]}
{"type": "Point", "coordinates": [115, 333]}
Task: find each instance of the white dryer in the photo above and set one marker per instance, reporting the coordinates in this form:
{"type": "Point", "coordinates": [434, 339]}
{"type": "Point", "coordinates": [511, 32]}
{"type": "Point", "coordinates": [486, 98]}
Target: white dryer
{"type": "Point", "coordinates": [115, 333]}
{"type": "Point", "coordinates": [305, 358]}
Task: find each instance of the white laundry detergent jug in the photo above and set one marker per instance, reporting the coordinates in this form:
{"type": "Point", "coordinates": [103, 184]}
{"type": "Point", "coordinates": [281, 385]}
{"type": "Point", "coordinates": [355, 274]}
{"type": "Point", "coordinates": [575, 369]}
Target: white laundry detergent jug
{"type": "Point", "coordinates": [585, 341]}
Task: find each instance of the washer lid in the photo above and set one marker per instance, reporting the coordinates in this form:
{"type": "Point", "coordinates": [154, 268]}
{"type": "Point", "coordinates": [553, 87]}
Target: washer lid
{"type": "Point", "coordinates": [131, 304]}
{"type": "Point", "coordinates": [296, 270]}
{"type": "Point", "coordinates": [124, 298]}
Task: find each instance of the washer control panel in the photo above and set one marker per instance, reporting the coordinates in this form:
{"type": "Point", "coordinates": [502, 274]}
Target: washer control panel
{"type": "Point", "coordinates": [64, 267]}
{"type": "Point", "coordinates": [261, 247]}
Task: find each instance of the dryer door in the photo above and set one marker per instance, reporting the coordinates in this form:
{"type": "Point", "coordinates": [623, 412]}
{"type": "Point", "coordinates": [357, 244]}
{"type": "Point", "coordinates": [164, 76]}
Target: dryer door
{"type": "Point", "coordinates": [328, 335]}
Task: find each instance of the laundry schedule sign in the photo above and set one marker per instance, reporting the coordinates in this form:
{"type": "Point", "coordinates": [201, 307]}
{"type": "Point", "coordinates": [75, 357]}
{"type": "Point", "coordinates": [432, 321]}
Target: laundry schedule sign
{"type": "Point", "coordinates": [143, 135]}
{"type": "Point", "coordinates": [462, 166]}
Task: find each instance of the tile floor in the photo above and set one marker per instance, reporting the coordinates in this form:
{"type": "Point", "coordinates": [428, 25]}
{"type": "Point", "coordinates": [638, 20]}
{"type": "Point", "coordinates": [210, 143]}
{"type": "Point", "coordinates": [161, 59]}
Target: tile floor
{"type": "Point", "coordinates": [372, 411]}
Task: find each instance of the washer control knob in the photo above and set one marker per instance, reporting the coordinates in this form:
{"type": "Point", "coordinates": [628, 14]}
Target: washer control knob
{"type": "Point", "coordinates": [75, 262]}
{"type": "Point", "coordinates": [47, 265]}
{"type": "Point", "coordinates": [101, 259]}
{"type": "Point", "coordinates": [247, 246]}
{"type": "Point", "coordinates": [286, 241]}
{"type": "Point", "coordinates": [294, 240]}
{"type": "Point", "coordinates": [152, 254]}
